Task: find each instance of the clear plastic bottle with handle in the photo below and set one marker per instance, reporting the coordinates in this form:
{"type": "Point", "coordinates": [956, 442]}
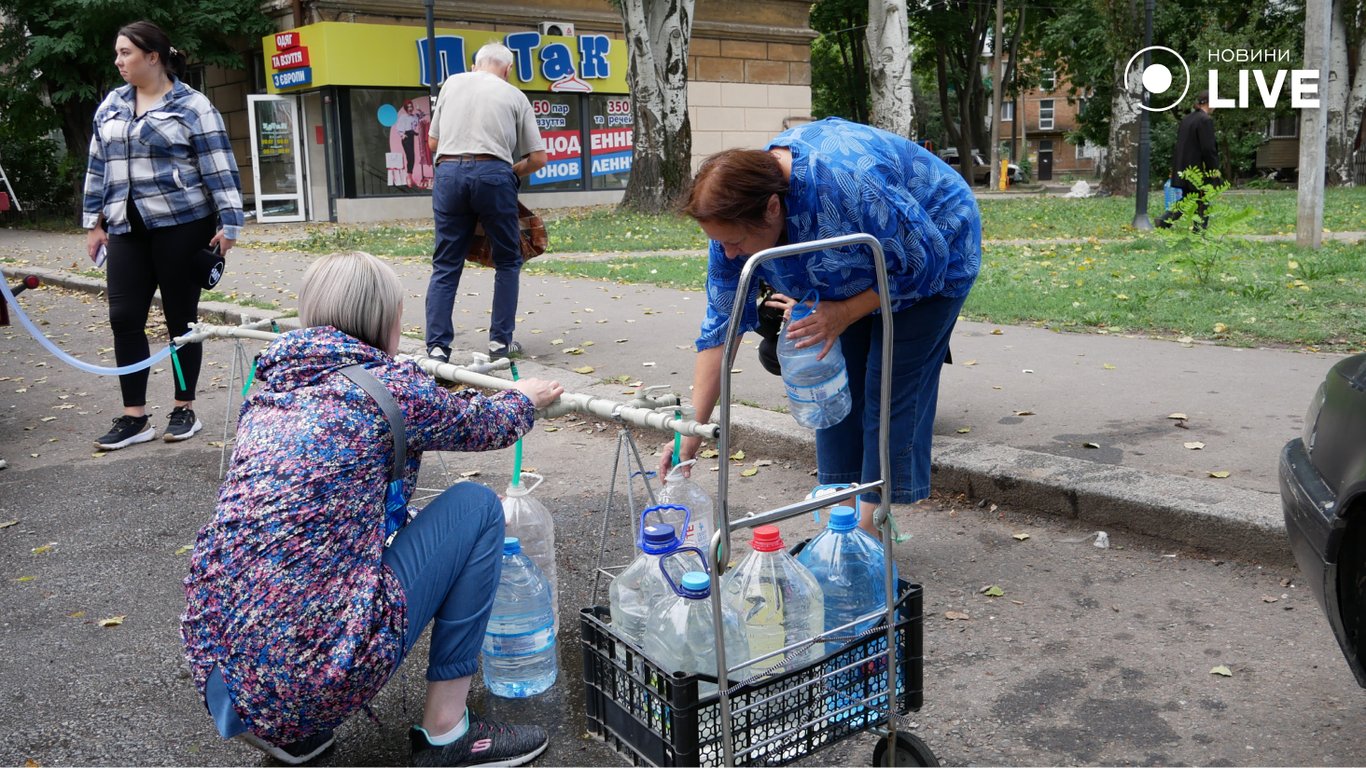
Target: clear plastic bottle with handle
{"type": "Point", "coordinates": [777, 598]}
{"type": "Point", "coordinates": [679, 634]}
{"type": "Point", "coordinates": [642, 584]}
{"type": "Point", "coordinates": [526, 518]}
{"type": "Point", "coordinates": [682, 491]}
{"type": "Point", "coordinates": [818, 389]}
{"type": "Point", "coordinates": [519, 653]}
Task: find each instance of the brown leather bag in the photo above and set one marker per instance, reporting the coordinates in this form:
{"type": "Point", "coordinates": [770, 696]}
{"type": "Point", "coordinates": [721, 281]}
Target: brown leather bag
{"type": "Point", "coordinates": [534, 239]}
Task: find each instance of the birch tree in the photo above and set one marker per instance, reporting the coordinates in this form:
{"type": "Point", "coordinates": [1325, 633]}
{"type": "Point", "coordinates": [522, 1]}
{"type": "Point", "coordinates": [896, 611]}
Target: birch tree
{"type": "Point", "coordinates": [1123, 19]}
{"type": "Point", "coordinates": [1345, 91]}
{"type": "Point", "coordinates": [657, 37]}
{"type": "Point", "coordinates": [889, 73]}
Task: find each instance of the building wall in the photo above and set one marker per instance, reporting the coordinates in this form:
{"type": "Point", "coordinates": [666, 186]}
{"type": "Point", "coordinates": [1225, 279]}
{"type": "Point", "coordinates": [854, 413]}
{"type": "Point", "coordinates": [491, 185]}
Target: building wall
{"type": "Point", "coordinates": [1065, 159]}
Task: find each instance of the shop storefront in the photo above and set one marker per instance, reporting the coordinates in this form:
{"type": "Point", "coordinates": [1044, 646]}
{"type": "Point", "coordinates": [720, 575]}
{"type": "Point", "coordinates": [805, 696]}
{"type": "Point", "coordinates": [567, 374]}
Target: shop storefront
{"type": "Point", "coordinates": [341, 133]}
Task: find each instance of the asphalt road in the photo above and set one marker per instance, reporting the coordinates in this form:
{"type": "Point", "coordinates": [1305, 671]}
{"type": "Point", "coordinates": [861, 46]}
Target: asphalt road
{"type": "Point", "coordinates": [1091, 656]}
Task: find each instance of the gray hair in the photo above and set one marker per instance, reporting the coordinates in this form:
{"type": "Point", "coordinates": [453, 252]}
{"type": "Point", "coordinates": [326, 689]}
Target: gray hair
{"type": "Point", "coordinates": [493, 53]}
{"type": "Point", "coordinates": [355, 293]}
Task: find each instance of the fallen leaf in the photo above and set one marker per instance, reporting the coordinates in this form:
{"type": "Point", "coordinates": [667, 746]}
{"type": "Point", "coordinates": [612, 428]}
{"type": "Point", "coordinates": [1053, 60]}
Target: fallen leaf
{"type": "Point", "coordinates": [997, 332]}
{"type": "Point", "coordinates": [1021, 536]}
{"type": "Point", "coordinates": [471, 473]}
{"type": "Point", "coordinates": [1179, 416]}
{"type": "Point", "coordinates": [1024, 413]}
{"type": "Point", "coordinates": [185, 549]}
{"type": "Point", "coordinates": [649, 364]}
{"type": "Point", "coordinates": [969, 363]}
{"type": "Point", "coordinates": [964, 430]}
{"type": "Point", "coordinates": [1220, 328]}
{"type": "Point", "coordinates": [737, 370]}
{"type": "Point", "coordinates": [46, 419]}
{"type": "Point", "coordinates": [1027, 370]}
{"type": "Point", "coordinates": [112, 621]}
{"type": "Point", "coordinates": [763, 463]}
{"type": "Point", "coordinates": [1222, 671]}
{"type": "Point", "coordinates": [76, 615]}
{"type": "Point", "coordinates": [738, 456]}
{"type": "Point", "coordinates": [588, 343]}
{"type": "Point", "coordinates": [23, 579]}
{"type": "Point", "coordinates": [956, 616]}
{"type": "Point", "coordinates": [751, 472]}
{"type": "Point", "coordinates": [44, 549]}
{"type": "Point", "coordinates": [992, 591]}
{"type": "Point", "coordinates": [1108, 367]}
{"type": "Point", "coordinates": [8, 523]}
{"type": "Point", "coordinates": [552, 429]}
{"type": "Point", "coordinates": [1090, 445]}
{"type": "Point", "coordinates": [1194, 446]}
{"type": "Point", "coordinates": [622, 341]}
{"type": "Point", "coordinates": [1220, 474]}
{"type": "Point", "coordinates": [572, 351]}
{"type": "Point", "coordinates": [1269, 598]}
{"type": "Point", "coordinates": [709, 453]}
{"type": "Point", "coordinates": [585, 369]}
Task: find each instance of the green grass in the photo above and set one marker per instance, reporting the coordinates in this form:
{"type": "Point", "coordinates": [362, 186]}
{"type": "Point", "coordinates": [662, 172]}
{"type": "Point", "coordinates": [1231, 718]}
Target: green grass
{"type": "Point", "coordinates": [1107, 218]}
{"type": "Point", "coordinates": [1130, 287]}
{"type": "Point", "coordinates": [603, 230]}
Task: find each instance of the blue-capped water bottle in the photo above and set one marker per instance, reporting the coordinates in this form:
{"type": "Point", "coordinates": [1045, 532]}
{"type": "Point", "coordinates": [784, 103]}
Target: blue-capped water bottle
{"type": "Point", "coordinates": [679, 633]}
{"type": "Point", "coordinates": [818, 390]}
{"type": "Point", "coordinates": [641, 586]}
{"type": "Point", "coordinates": [849, 565]}
{"type": "Point", "coordinates": [519, 646]}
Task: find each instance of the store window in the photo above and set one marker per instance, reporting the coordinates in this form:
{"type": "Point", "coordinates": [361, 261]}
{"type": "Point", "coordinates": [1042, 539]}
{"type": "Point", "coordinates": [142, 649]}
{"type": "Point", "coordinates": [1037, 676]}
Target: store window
{"type": "Point", "coordinates": [560, 118]}
{"type": "Point", "coordinates": [389, 154]}
{"type": "Point", "coordinates": [611, 132]}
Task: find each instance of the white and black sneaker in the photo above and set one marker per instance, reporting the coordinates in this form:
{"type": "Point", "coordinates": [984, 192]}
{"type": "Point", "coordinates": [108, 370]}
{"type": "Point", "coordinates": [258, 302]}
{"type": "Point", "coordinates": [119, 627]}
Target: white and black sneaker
{"type": "Point", "coordinates": [510, 350]}
{"type": "Point", "coordinates": [296, 753]}
{"type": "Point", "coordinates": [183, 425]}
{"type": "Point", "coordinates": [127, 430]}
{"type": "Point", "coordinates": [439, 353]}
{"type": "Point", "coordinates": [485, 743]}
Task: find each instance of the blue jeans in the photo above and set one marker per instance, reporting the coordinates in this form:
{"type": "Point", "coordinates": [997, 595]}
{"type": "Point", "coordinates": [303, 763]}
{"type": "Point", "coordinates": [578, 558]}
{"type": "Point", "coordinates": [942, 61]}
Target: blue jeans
{"type": "Point", "coordinates": [449, 560]}
{"type": "Point", "coordinates": [466, 192]}
{"type": "Point", "coordinates": [848, 451]}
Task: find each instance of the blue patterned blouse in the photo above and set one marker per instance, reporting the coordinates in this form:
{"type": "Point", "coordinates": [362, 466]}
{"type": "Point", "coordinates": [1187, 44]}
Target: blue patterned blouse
{"type": "Point", "coordinates": [287, 593]}
{"type": "Point", "coordinates": [849, 178]}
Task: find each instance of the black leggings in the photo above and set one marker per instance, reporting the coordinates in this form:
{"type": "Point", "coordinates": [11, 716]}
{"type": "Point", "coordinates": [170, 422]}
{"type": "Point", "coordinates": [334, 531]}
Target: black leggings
{"type": "Point", "coordinates": [138, 263]}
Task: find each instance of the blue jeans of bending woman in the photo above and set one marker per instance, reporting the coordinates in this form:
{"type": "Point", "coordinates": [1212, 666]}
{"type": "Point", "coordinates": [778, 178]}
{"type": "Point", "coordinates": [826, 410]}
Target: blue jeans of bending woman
{"type": "Point", "coordinates": [449, 560]}
{"type": "Point", "coordinates": [848, 451]}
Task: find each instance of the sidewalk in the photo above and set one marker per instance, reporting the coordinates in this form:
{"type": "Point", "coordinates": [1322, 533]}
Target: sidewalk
{"type": "Point", "coordinates": [1076, 424]}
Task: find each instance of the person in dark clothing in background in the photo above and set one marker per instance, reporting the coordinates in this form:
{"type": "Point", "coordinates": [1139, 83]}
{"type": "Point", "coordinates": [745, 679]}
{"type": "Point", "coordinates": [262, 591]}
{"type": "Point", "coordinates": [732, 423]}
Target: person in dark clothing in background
{"type": "Point", "coordinates": [1196, 147]}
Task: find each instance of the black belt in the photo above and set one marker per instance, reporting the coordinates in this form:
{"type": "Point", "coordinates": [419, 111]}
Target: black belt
{"type": "Point", "coordinates": [472, 156]}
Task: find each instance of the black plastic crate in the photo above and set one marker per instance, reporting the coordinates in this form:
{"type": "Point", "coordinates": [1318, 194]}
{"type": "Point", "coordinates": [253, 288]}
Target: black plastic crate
{"type": "Point", "coordinates": [653, 717]}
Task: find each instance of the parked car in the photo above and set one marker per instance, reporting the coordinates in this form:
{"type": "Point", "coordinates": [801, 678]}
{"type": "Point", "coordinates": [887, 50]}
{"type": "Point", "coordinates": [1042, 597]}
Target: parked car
{"type": "Point", "coordinates": [1323, 494]}
{"type": "Point", "coordinates": [981, 169]}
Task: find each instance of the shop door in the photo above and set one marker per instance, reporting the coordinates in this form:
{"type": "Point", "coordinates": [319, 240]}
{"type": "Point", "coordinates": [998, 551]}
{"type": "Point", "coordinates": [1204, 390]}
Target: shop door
{"type": "Point", "coordinates": [276, 159]}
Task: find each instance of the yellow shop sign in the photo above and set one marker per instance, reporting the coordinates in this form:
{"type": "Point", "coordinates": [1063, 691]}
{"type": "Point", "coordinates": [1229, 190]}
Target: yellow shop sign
{"type": "Point", "coordinates": [388, 56]}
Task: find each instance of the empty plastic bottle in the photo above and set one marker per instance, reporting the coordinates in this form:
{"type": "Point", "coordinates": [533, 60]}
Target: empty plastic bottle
{"type": "Point", "coordinates": [526, 518]}
{"type": "Point", "coordinates": [519, 650]}
{"type": "Point", "coordinates": [680, 636]}
{"type": "Point", "coordinates": [848, 564]}
{"type": "Point", "coordinates": [641, 586]}
{"type": "Point", "coordinates": [777, 598]}
{"type": "Point", "coordinates": [817, 389]}
{"type": "Point", "coordinates": [681, 491]}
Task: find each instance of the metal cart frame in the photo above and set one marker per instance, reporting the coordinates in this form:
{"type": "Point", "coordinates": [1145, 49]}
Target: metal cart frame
{"type": "Point", "coordinates": [724, 525]}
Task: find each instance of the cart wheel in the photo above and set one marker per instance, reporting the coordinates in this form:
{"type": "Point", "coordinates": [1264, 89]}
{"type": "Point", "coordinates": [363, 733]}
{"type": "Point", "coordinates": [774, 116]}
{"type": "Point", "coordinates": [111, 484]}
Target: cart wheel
{"type": "Point", "coordinates": [910, 750]}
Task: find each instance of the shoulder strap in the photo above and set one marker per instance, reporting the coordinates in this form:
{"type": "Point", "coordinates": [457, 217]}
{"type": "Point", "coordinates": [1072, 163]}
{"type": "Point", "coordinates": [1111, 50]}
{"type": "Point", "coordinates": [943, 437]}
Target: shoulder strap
{"type": "Point", "coordinates": [372, 386]}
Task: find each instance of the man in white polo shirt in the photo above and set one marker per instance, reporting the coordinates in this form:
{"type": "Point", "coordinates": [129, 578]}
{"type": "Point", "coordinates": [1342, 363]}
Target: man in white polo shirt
{"type": "Point", "coordinates": [484, 138]}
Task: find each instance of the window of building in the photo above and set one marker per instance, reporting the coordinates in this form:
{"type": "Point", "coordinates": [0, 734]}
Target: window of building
{"type": "Point", "coordinates": [611, 136]}
{"type": "Point", "coordinates": [1046, 115]}
{"type": "Point", "coordinates": [1007, 111]}
{"type": "Point", "coordinates": [1048, 79]}
{"type": "Point", "coordinates": [1284, 127]}
{"type": "Point", "coordinates": [388, 152]}
{"type": "Point", "coordinates": [194, 77]}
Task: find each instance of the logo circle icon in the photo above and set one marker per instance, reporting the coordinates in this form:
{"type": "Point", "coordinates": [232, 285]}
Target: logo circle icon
{"type": "Point", "coordinates": [1157, 80]}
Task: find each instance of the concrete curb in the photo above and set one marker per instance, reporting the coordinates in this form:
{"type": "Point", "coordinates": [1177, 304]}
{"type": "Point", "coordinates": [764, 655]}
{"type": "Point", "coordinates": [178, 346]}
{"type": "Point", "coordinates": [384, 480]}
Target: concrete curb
{"type": "Point", "coordinates": [1184, 512]}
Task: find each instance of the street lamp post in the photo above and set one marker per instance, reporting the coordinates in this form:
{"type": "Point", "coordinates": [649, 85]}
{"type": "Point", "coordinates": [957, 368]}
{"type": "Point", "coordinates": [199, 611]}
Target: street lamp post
{"type": "Point", "coordinates": [1141, 221]}
{"type": "Point", "coordinates": [430, 5]}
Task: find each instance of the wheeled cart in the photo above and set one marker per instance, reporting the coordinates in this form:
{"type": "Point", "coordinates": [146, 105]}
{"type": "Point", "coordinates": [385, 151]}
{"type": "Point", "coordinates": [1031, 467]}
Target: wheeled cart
{"type": "Point", "coordinates": [815, 697]}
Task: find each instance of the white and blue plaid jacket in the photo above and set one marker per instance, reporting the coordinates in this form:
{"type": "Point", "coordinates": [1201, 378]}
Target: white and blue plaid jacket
{"type": "Point", "coordinates": [175, 160]}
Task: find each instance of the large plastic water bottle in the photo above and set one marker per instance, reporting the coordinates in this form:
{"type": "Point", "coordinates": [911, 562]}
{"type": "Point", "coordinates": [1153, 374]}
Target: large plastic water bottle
{"type": "Point", "coordinates": [641, 586]}
{"type": "Point", "coordinates": [681, 491]}
{"type": "Point", "coordinates": [527, 518]}
{"type": "Point", "coordinates": [680, 636]}
{"type": "Point", "coordinates": [777, 598]}
{"type": "Point", "coordinates": [519, 646]}
{"type": "Point", "coordinates": [818, 390]}
{"type": "Point", "coordinates": [849, 566]}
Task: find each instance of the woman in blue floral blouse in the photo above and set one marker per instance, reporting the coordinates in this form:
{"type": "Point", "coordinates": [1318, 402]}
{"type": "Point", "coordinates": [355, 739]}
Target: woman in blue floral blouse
{"type": "Point", "coordinates": [825, 179]}
{"type": "Point", "coordinates": [297, 613]}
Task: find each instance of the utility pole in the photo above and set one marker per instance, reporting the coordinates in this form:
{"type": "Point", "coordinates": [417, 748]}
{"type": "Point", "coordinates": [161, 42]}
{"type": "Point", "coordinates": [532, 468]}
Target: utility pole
{"type": "Point", "coordinates": [1314, 127]}
{"type": "Point", "coordinates": [430, 6]}
{"type": "Point", "coordinates": [1141, 221]}
{"type": "Point", "coordinates": [998, 85]}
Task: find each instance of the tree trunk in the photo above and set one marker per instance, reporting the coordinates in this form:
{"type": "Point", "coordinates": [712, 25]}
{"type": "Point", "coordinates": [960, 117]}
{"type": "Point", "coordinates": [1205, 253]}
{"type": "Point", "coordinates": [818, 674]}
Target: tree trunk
{"type": "Point", "coordinates": [1344, 99]}
{"type": "Point", "coordinates": [942, 70]}
{"type": "Point", "coordinates": [890, 66]}
{"type": "Point", "coordinates": [657, 37]}
{"type": "Point", "coordinates": [860, 80]}
{"type": "Point", "coordinates": [1121, 165]}
{"type": "Point", "coordinates": [77, 130]}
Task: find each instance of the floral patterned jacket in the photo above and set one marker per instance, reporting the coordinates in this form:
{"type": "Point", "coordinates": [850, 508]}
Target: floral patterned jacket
{"type": "Point", "coordinates": [287, 593]}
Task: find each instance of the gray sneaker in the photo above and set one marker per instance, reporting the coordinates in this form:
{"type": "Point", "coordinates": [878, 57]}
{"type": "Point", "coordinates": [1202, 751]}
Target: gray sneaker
{"type": "Point", "coordinates": [485, 743]}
